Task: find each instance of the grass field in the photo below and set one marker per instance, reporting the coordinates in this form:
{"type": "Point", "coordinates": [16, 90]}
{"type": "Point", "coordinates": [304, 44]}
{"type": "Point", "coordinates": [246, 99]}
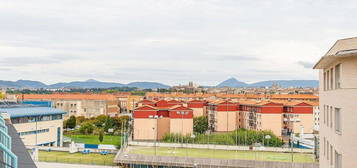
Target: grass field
{"type": "Point", "coordinates": [224, 154]}
{"type": "Point", "coordinates": [93, 139]}
{"type": "Point", "coordinates": [76, 158]}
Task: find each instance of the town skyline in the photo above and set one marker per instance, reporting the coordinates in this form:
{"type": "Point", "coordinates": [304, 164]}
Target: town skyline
{"type": "Point", "coordinates": [230, 82]}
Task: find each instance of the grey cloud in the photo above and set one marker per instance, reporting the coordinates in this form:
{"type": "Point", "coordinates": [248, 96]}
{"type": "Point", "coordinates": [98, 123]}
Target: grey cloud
{"type": "Point", "coordinates": [177, 40]}
{"type": "Point", "coordinates": [35, 60]}
{"type": "Point", "coordinates": [238, 58]}
{"type": "Point", "coordinates": [5, 69]}
{"type": "Point", "coordinates": [305, 64]}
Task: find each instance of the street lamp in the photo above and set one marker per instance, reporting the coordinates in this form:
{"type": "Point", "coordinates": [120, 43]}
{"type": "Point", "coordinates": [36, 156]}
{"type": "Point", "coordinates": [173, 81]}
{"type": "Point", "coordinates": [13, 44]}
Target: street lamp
{"type": "Point", "coordinates": [156, 117]}
{"type": "Point", "coordinates": [267, 137]}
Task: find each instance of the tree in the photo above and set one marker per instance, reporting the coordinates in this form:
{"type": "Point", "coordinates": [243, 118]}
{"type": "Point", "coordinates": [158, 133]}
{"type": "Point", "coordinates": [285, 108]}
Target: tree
{"type": "Point", "coordinates": [119, 121]}
{"type": "Point", "coordinates": [101, 135]}
{"type": "Point", "coordinates": [71, 122]}
{"type": "Point", "coordinates": [200, 124]}
{"type": "Point", "coordinates": [100, 120]}
{"type": "Point", "coordinates": [86, 128]}
{"type": "Point", "coordinates": [65, 124]}
{"type": "Point", "coordinates": [109, 123]}
{"type": "Point", "coordinates": [80, 120]}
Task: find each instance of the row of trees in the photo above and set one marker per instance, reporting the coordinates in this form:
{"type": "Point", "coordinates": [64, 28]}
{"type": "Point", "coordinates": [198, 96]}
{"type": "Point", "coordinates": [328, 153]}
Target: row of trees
{"type": "Point", "coordinates": [238, 137]}
{"type": "Point", "coordinates": [95, 125]}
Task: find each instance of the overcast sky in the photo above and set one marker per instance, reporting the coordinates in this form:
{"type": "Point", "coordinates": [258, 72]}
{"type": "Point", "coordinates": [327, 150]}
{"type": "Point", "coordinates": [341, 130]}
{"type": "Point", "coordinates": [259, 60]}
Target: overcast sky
{"type": "Point", "coordinates": [169, 41]}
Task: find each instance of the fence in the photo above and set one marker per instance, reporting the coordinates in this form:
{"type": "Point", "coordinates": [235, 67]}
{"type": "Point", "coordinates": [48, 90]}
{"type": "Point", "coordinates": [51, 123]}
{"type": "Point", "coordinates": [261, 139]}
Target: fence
{"type": "Point", "coordinates": [133, 160]}
{"type": "Point", "coordinates": [66, 149]}
{"type": "Point", "coordinates": [221, 147]}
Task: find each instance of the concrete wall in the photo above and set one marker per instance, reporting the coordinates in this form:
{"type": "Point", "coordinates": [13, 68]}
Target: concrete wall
{"type": "Point", "coordinates": [272, 122]}
{"type": "Point", "coordinates": [217, 147]}
{"type": "Point", "coordinates": [163, 125]}
{"type": "Point", "coordinates": [44, 137]}
{"type": "Point", "coordinates": [86, 108]}
{"type": "Point", "coordinates": [181, 126]}
{"type": "Point", "coordinates": [197, 112]}
{"type": "Point", "coordinates": [306, 121]}
{"type": "Point", "coordinates": [226, 121]}
{"type": "Point", "coordinates": [145, 129]}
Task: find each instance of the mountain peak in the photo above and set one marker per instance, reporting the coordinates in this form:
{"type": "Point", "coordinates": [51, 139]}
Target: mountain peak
{"type": "Point", "coordinates": [232, 79]}
{"type": "Point", "coordinates": [232, 82]}
{"type": "Point", "coordinates": [91, 80]}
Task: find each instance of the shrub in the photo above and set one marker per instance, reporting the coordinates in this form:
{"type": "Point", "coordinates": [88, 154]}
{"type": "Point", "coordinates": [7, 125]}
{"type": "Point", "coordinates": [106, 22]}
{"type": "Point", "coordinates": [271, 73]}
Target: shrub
{"type": "Point", "coordinates": [200, 124]}
{"type": "Point", "coordinates": [101, 135]}
{"type": "Point", "coordinates": [238, 137]}
{"type": "Point", "coordinates": [86, 128]}
{"type": "Point", "coordinates": [71, 122]}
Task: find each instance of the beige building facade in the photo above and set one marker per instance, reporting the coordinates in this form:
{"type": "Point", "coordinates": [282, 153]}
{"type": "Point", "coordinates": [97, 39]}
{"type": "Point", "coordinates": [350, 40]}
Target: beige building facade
{"type": "Point", "coordinates": [338, 95]}
{"type": "Point", "coordinates": [79, 104]}
{"type": "Point", "coordinates": [271, 122]}
{"type": "Point", "coordinates": [47, 133]}
{"type": "Point", "coordinates": [41, 126]}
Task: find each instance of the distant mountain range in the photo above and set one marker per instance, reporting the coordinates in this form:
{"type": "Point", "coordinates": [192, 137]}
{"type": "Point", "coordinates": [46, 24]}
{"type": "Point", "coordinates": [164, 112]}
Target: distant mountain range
{"type": "Point", "coordinates": [91, 83]}
{"type": "Point", "coordinates": [234, 83]}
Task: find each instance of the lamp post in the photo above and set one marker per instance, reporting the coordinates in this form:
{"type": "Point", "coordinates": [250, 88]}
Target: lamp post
{"type": "Point", "coordinates": [182, 113]}
{"type": "Point", "coordinates": [267, 137]}
{"type": "Point", "coordinates": [292, 147]}
{"type": "Point", "coordinates": [155, 129]}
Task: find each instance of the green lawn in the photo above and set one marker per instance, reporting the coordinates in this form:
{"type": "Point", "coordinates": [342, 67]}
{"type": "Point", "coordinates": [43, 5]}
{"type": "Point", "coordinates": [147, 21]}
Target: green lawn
{"type": "Point", "coordinates": [76, 158]}
{"type": "Point", "coordinates": [224, 154]}
{"type": "Point", "coordinates": [93, 139]}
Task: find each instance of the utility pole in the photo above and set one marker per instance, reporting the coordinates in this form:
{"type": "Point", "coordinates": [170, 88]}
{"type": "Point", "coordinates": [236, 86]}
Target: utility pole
{"type": "Point", "coordinates": [292, 147]}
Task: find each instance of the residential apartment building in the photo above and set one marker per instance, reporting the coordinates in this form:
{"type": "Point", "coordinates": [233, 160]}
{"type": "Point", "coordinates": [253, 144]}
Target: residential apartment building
{"type": "Point", "coordinates": [298, 118]}
{"type": "Point", "coordinates": [79, 104]}
{"type": "Point", "coordinates": [338, 95]}
{"type": "Point", "coordinates": [199, 107]}
{"type": "Point", "coordinates": [262, 115]}
{"type": "Point", "coordinates": [280, 117]}
{"type": "Point", "coordinates": [153, 122]}
{"type": "Point", "coordinates": [132, 102]}
{"type": "Point", "coordinates": [223, 116]}
{"type": "Point", "coordinates": [316, 112]}
{"type": "Point", "coordinates": [123, 97]}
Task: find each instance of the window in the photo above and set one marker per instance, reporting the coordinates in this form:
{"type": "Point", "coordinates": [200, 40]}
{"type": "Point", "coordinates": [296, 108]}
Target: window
{"type": "Point", "coordinates": [337, 76]}
{"type": "Point", "coordinates": [331, 78]}
{"type": "Point", "coordinates": [324, 114]}
{"type": "Point", "coordinates": [331, 121]}
{"type": "Point", "coordinates": [327, 147]}
{"type": "Point", "coordinates": [338, 160]}
{"type": "Point", "coordinates": [327, 115]}
{"type": "Point", "coordinates": [331, 153]}
{"type": "Point", "coordinates": [324, 81]}
{"type": "Point", "coordinates": [324, 146]}
{"type": "Point", "coordinates": [338, 120]}
{"type": "Point", "coordinates": [34, 132]}
{"type": "Point", "coordinates": [327, 80]}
